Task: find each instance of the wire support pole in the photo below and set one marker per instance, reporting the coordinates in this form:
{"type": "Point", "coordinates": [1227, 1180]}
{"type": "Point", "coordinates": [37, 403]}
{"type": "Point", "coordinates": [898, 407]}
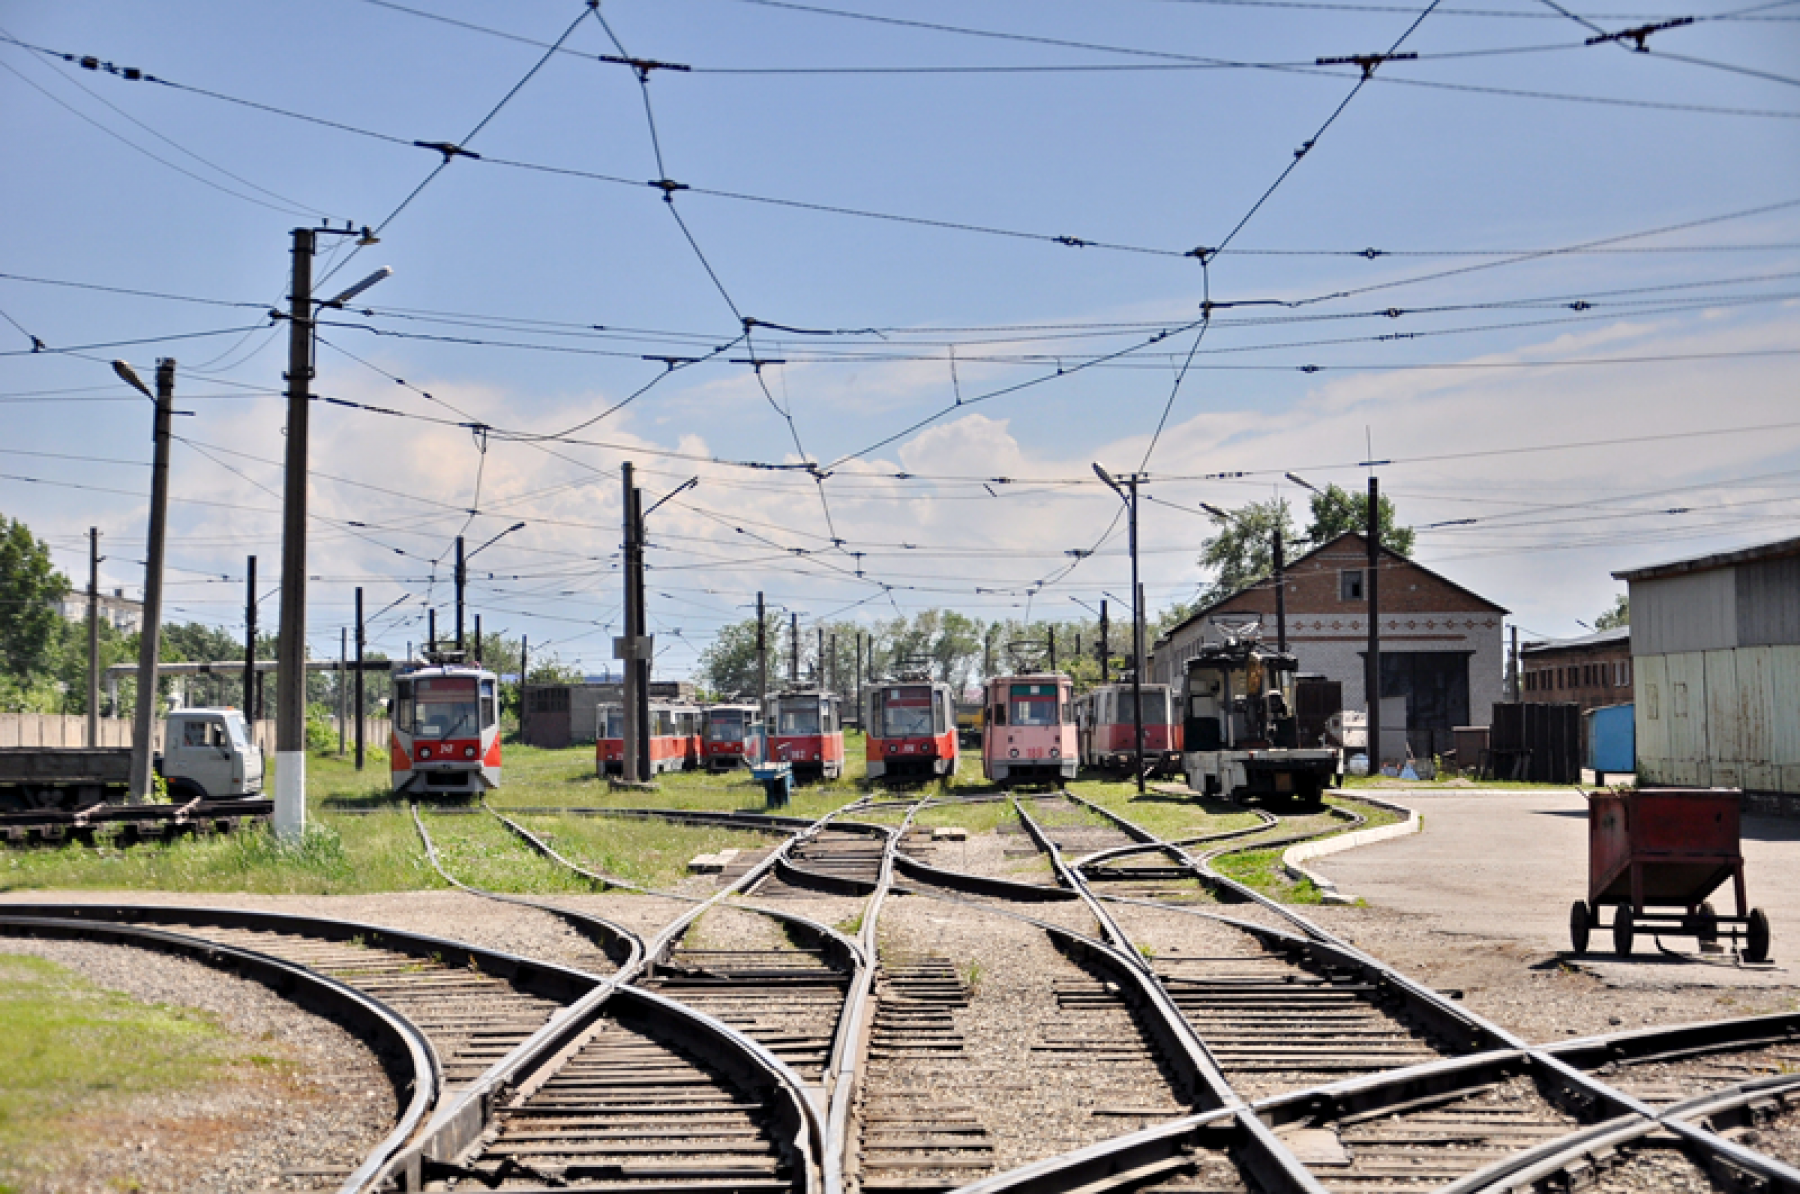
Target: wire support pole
{"type": "Point", "coordinates": [1137, 638]}
{"type": "Point", "coordinates": [462, 580]}
{"type": "Point", "coordinates": [1372, 658]}
{"type": "Point", "coordinates": [93, 638]}
{"type": "Point", "coordinates": [362, 639]}
{"type": "Point", "coordinates": [150, 636]}
{"type": "Point", "coordinates": [628, 768]}
{"type": "Point", "coordinates": [250, 674]}
{"type": "Point", "coordinates": [290, 644]}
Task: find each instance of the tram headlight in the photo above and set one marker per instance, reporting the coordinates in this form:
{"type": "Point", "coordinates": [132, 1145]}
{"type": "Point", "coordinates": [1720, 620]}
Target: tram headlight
{"type": "Point", "coordinates": [815, 756]}
{"type": "Point", "coordinates": [424, 752]}
{"type": "Point", "coordinates": [469, 752]}
{"type": "Point", "coordinates": [1055, 751]}
{"type": "Point", "coordinates": [1015, 752]}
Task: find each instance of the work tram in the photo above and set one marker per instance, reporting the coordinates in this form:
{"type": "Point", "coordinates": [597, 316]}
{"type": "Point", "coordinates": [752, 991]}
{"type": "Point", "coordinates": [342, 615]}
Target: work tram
{"type": "Point", "coordinates": [730, 736]}
{"type": "Point", "coordinates": [674, 738]}
{"type": "Point", "coordinates": [806, 733]}
{"type": "Point", "coordinates": [1029, 735]}
{"type": "Point", "coordinates": [1240, 734]}
{"type": "Point", "coordinates": [445, 739]}
{"type": "Point", "coordinates": [912, 731]}
{"type": "Point", "coordinates": [1107, 730]}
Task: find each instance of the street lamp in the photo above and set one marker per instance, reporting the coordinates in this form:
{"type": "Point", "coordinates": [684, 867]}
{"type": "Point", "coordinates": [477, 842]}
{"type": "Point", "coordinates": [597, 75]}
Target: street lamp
{"type": "Point", "coordinates": [149, 640]}
{"type": "Point", "coordinates": [637, 653]}
{"type": "Point", "coordinates": [1137, 616]}
{"type": "Point", "coordinates": [1303, 483]}
{"type": "Point", "coordinates": [462, 572]}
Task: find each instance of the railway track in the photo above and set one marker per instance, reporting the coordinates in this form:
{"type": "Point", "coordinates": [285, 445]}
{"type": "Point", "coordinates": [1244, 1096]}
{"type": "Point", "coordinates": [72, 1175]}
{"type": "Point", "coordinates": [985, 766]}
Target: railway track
{"type": "Point", "coordinates": [119, 826]}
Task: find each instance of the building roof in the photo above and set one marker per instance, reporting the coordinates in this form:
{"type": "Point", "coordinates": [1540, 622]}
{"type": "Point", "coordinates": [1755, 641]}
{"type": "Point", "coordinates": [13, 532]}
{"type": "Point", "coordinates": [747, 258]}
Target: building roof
{"type": "Point", "coordinates": [1206, 610]}
{"type": "Point", "coordinates": [1723, 559]}
{"type": "Point", "coordinates": [1600, 638]}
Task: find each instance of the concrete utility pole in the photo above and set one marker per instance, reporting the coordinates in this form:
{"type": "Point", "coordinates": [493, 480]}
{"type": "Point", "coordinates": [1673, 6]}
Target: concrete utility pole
{"type": "Point", "coordinates": [859, 674]}
{"type": "Point", "coordinates": [290, 644]}
{"type": "Point", "coordinates": [150, 635]}
{"type": "Point", "coordinates": [793, 650]}
{"type": "Point", "coordinates": [1372, 659]}
{"type": "Point", "coordinates": [343, 691]}
{"type": "Point", "coordinates": [251, 684]}
{"type": "Point", "coordinates": [462, 578]}
{"type": "Point", "coordinates": [477, 642]}
{"type": "Point", "coordinates": [93, 628]}
{"type": "Point", "coordinates": [431, 630]}
{"type": "Point", "coordinates": [643, 647]}
{"type": "Point", "coordinates": [762, 658]}
{"type": "Point", "coordinates": [1280, 596]}
{"type": "Point", "coordinates": [1105, 645]}
{"type": "Point", "coordinates": [1137, 614]}
{"type": "Point", "coordinates": [1053, 646]}
{"type": "Point", "coordinates": [819, 669]}
{"type": "Point", "coordinates": [361, 641]}
{"type": "Point", "coordinates": [524, 670]}
{"type": "Point", "coordinates": [629, 767]}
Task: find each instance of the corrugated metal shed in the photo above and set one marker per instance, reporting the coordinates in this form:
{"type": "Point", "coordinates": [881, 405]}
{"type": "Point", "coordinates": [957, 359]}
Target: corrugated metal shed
{"type": "Point", "coordinates": [1716, 654]}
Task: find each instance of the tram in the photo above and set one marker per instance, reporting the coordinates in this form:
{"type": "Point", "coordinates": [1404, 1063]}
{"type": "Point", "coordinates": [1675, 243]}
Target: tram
{"type": "Point", "coordinates": [730, 736]}
{"type": "Point", "coordinates": [674, 738]}
{"type": "Point", "coordinates": [1029, 733]}
{"type": "Point", "coordinates": [912, 730]}
{"type": "Point", "coordinates": [806, 733]}
{"type": "Point", "coordinates": [1107, 730]}
{"type": "Point", "coordinates": [445, 739]}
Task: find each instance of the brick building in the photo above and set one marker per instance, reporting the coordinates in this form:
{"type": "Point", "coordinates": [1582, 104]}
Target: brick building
{"type": "Point", "coordinates": [1442, 656]}
{"type": "Point", "coordinates": [1590, 671]}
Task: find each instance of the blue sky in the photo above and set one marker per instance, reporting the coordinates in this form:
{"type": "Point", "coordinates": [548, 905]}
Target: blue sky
{"type": "Point", "coordinates": [1580, 311]}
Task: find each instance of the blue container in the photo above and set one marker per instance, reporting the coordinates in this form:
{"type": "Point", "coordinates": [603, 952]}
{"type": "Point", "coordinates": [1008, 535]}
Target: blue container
{"type": "Point", "coordinates": [1611, 736]}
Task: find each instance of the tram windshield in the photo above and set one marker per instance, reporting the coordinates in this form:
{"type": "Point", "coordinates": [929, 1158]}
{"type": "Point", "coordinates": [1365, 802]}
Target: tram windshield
{"type": "Point", "coordinates": [906, 713]}
{"type": "Point", "coordinates": [445, 707]}
{"type": "Point", "coordinates": [612, 722]}
{"type": "Point", "coordinates": [1033, 705]}
{"type": "Point", "coordinates": [798, 719]}
{"type": "Point", "coordinates": [725, 725]}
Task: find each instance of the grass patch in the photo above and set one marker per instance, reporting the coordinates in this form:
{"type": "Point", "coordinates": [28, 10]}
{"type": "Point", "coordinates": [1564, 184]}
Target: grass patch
{"type": "Point", "coordinates": [986, 816]}
{"type": "Point", "coordinates": [71, 1051]}
{"type": "Point", "coordinates": [480, 851]}
{"type": "Point", "coordinates": [646, 852]}
{"type": "Point", "coordinates": [1261, 869]}
{"type": "Point", "coordinates": [1387, 783]}
{"type": "Point", "coordinates": [1170, 818]}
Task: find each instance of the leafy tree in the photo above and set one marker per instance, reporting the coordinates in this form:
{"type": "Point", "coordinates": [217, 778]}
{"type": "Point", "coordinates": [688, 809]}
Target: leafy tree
{"type": "Point", "coordinates": [1619, 615]}
{"type": "Point", "coordinates": [31, 627]}
{"type": "Point", "coordinates": [728, 664]}
{"type": "Point", "coordinates": [1240, 552]}
{"type": "Point", "coordinates": [1338, 510]}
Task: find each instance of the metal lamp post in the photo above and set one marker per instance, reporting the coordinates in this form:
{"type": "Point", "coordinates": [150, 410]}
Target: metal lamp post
{"type": "Point", "coordinates": [1137, 616]}
{"type": "Point", "coordinates": [462, 577]}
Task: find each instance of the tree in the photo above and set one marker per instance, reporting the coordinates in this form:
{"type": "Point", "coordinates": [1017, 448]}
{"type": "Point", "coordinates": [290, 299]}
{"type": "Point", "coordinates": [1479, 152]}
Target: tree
{"type": "Point", "coordinates": [31, 626]}
{"type": "Point", "coordinates": [728, 664]}
{"type": "Point", "coordinates": [1241, 551]}
{"type": "Point", "coordinates": [1619, 615]}
{"type": "Point", "coordinates": [1338, 510]}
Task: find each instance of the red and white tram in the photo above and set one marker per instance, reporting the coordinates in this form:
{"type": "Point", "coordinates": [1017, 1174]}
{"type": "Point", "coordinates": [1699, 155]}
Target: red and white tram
{"type": "Point", "coordinates": [731, 736]}
{"type": "Point", "coordinates": [1106, 729]}
{"type": "Point", "coordinates": [806, 734]}
{"type": "Point", "coordinates": [674, 738]}
{"type": "Point", "coordinates": [446, 731]}
{"type": "Point", "coordinates": [1030, 732]}
{"type": "Point", "coordinates": [912, 731]}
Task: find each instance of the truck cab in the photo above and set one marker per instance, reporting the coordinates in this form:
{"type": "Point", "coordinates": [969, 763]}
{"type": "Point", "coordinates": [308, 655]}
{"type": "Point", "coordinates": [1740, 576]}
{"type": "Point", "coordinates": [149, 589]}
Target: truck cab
{"type": "Point", "coordinates": [208, 755]}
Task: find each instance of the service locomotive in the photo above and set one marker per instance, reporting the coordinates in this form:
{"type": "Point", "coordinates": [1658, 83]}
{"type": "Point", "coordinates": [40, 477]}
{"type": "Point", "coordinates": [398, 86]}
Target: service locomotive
{"type": "Point", "coordinates": [1240, 734]}
{"type": "Point", "coordinates": [445, 737]}
{"type": "Point", "coordinates": [912, 731]}
{"type": "Point", "coordinates": [1029, 734]}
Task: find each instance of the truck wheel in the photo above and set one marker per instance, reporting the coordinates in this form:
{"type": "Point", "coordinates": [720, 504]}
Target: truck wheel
{"type": "Point", "coordinates": [1623, 931]}
{"type": "Point", "coordinates": [1579, 925]}
{"type": "Point", "coordinates": [1756, 937]}
{"type": "Point", "coordinates": [1706, 925]}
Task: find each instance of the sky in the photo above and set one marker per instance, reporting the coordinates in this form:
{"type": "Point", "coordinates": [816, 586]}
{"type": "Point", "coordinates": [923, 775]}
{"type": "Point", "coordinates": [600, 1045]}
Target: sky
{"type": "Point", "coordinates": [888, 280]}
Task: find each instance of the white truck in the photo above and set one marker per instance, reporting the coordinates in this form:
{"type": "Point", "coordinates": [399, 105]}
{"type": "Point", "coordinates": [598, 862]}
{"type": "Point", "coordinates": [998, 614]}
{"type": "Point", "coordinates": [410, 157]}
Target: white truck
{"type": "Point", "coordinates": [207, 755]}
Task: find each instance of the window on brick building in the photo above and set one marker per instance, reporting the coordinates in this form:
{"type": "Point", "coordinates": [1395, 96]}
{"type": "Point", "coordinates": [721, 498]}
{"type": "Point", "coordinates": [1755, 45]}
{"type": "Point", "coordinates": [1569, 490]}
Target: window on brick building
{"type": "Point", "coordinates": [1350, 585]}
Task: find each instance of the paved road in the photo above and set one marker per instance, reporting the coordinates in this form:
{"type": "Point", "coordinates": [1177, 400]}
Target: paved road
{"type": "Point", "coordinates": [1507, 865]}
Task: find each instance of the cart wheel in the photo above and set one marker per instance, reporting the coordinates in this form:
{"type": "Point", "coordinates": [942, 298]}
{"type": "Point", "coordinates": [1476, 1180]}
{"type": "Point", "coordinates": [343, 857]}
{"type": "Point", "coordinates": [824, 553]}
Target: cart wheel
{"type": "Point", "coordinates": [1579, 924]}
{"type": "Point", "coordinates": [1622, 931]}
{"type": "Point", "coordinates": [1706, 925]}
{"type": "Point", "coordinates": [1756, 942]}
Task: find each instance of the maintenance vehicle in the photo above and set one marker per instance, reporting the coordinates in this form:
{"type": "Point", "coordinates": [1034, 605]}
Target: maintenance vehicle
{"type": "Point", "coordinates": [208, 755]}
{"type": "Point", "coordinates": [1240, 737]}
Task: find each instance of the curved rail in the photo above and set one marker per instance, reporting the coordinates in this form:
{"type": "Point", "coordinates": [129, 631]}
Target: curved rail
{"type": "Point", "coordinates": [393, 1034]}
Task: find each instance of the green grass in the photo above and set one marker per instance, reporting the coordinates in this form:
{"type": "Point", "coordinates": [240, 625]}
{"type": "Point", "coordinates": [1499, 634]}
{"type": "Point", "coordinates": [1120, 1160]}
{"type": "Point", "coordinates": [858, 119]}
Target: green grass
{"type": "Point", "coordinates": [1387, 783]}
{"type": "Point", "coordinates": [69, 1050]}
{"type": "Point", "coordinates": [987, 816]}
{"type": "Point", "coordinates": [1261, 869]}
{"type": "Point", "coordinates": [648, 853]}
{"type": "Point", "coordinates": [1170, 818]}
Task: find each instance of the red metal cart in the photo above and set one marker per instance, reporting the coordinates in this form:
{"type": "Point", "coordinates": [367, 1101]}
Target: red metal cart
{"type": "Point", "coordinates": [1667, 849]}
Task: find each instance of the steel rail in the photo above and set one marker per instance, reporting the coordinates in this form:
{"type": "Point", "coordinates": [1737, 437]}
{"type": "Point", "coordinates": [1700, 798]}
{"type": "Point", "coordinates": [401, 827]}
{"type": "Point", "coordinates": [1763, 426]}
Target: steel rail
{"type": "Point", "coordinates": [394, 1034]}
